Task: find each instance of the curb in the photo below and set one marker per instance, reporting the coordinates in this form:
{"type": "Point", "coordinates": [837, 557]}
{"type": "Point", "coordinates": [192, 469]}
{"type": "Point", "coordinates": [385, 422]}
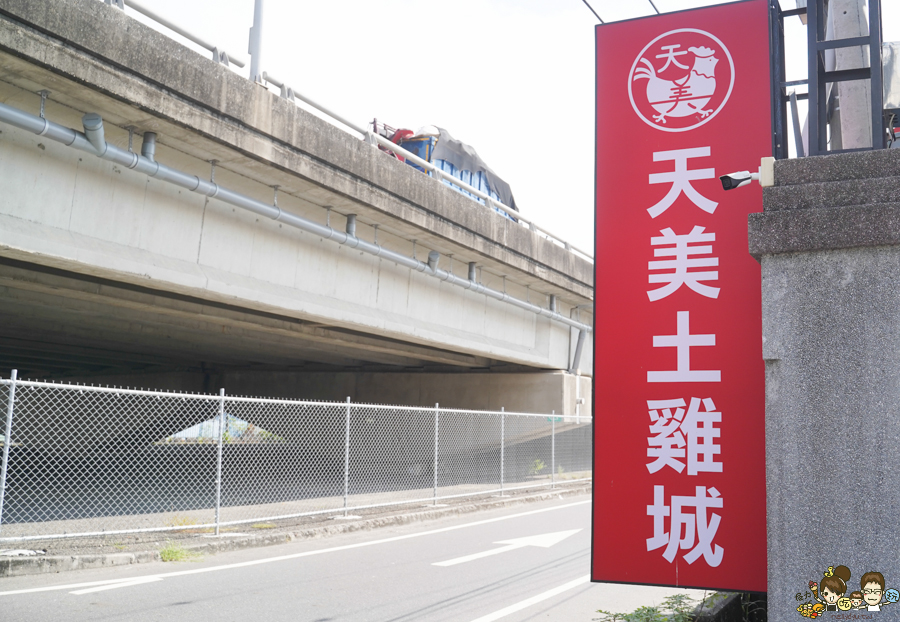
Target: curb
{"type": "Point", "coordinates": [16, 566]}
{"type": "Point", "coordinates": [22, 566]}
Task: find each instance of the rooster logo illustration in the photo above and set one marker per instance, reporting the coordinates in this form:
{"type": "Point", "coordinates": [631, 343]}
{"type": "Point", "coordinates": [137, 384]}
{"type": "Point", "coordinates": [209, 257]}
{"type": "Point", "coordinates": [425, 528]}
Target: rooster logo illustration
{"type": "Point", "coordinates": [685, 96]}
{"type": "Point", "coordinates": [681, 80]}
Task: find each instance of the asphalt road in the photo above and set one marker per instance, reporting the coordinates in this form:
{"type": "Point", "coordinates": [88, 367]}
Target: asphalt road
{"type": "Point", "coordinates": [525, 563]}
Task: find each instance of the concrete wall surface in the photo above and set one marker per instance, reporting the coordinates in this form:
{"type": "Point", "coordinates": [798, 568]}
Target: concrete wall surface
{"type": "Point", "coordinates": [829, 243]}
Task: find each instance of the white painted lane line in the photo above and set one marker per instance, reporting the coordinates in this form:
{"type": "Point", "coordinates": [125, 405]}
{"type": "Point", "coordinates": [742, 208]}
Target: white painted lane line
{"type": "Point", "coordinates": [268, 560]}
{"type": "Point", "coordinates": [502, 613]}
{"type": "Point", "coordinates": [544, 541]}
{"type": "Point", "coordinates": [114, 586]}
{"type": "Point", "coordinates": [73, 585]}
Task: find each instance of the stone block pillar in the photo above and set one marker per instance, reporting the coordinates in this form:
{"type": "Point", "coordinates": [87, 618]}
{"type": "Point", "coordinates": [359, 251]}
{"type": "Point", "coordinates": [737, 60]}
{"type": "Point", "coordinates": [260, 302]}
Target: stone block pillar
{"type": "Point", "coordinates": [828, 242]}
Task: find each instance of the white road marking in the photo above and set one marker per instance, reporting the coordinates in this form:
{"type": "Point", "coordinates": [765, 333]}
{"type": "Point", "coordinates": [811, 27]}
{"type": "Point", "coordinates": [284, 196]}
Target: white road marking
{"type": "Point", "coordinates": [502, 613]}
{"type": "Point", "coordinates": [257, 562]}
{"type": "Point", "coordinates": [544, 541]}
{"type": "Point", "coordinates": [113, 586]}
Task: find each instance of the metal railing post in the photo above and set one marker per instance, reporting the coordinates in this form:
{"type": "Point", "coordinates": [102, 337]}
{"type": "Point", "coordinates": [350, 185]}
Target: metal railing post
{"type": "Point", "coordinates": [502, 445]}
{"type": "Point", "coordinates": [346, 455]}
{"type": "Point", "coordinates": [7, 441]}
{"type": "Point", "coordinates": [436, 422]}
{"type": "Point", "coordinates": [222, 424]}
{"type": "Point", "coordinates": [553, 450]}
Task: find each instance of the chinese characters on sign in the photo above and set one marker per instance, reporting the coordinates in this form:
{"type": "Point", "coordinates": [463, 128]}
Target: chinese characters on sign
{"type": "Point", "coordinates": [698, 522]}
{"type": "Point", "coordinates": [679, 474]}
{"type": "Point", "coordinates": [671, 429]}
{"type": "Point", "coordinates": [700, 428]}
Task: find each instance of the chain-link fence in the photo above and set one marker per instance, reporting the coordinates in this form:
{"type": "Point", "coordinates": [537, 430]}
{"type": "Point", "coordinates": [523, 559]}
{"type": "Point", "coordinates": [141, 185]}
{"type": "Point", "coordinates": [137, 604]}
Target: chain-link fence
{"type": "Point", "coordinates": [84, 460]}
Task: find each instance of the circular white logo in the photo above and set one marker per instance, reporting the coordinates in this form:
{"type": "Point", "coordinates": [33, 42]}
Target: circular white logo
{"type": "Point", "coordinates": [677, 82]}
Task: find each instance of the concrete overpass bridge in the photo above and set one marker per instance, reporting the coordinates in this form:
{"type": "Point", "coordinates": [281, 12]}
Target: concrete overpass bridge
{"type": "Point", "coordinates": [227, 237]}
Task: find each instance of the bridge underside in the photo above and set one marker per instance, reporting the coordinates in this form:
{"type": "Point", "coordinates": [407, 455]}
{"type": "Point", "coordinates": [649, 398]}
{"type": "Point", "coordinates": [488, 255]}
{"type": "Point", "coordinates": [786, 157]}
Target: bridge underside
{"type": "Point", "coordinates": [59, 324]}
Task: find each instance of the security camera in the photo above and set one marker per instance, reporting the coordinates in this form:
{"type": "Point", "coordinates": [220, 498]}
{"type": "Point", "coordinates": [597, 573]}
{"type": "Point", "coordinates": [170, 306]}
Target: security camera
{"type": "Point", "coordinates": [765, 176]}
{"type": "Point", "coordinates": [736, 180]}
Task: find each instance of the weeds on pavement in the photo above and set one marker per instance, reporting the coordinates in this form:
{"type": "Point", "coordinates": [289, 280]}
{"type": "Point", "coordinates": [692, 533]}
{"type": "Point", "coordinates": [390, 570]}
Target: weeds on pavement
{"type": "Point", "coordinates": [174, 552]}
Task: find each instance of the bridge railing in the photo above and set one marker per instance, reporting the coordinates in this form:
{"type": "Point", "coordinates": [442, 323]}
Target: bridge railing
{"type": "Point", "coordinates": [219, 55]}
{"type": "Point", "coordinates": [373, 138]}
{"type": "Point", "coordinates": [366, 134]}
{"type": "Point", "coordinates": [86, 460]}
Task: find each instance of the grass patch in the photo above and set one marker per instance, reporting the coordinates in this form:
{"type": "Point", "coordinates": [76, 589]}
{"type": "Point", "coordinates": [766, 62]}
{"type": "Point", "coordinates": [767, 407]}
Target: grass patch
{"type": "Point", "coordinates": [174, 552]}
{"type": "Point", "coordinates": [537, 466]}
{"type": "Point", "coordinates": [675, 608]}
{"type": "Point", "coordinates": [182, 521]}
{"type": "Point", "coordinates": [263, 526]}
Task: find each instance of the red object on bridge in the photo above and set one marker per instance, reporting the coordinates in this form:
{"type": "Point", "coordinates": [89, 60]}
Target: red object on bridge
{"type": "Point", "coordinates": [679, 390]}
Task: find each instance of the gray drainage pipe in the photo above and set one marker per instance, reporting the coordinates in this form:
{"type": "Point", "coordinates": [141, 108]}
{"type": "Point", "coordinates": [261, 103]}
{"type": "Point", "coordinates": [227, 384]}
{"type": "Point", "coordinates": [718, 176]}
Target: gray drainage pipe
{"type": "Point", "coordinates": [92, 141]}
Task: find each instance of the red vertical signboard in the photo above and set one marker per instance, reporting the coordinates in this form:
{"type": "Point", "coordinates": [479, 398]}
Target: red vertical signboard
{"type": "Point", "coordinates": [679, 448]}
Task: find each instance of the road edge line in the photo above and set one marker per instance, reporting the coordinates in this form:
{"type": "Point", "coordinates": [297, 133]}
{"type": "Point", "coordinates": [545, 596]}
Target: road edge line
{"type": "Point", "coordinates": [528, 602]}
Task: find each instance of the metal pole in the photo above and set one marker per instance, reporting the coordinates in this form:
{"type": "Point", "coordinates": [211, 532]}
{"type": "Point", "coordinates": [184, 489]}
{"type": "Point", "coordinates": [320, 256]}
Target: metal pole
{"type": "Point", "coordinates": [813, 61]}
{"type": "Point", "coordinates": [222, 424]}
{"type": "Point", "coordinates": [502, 445]}
{"type": "Point", "coordinates": [7, 441]}
{"type": "Point", "coordinates": [553, 450]}
{"type": "Point", "coordinates": [256, 43]}
{"type": "Point", "coordinates": [877, 80]}
{"type": "Point", "coordinates": [436, 422]}
{"type": "Point", "coordinates": [775, 77]}
{"type": "Point", "coordinates": [346, 455]}
{"type": "Point", "coordinates": [777, 71]}
{"type": "Point", "coordinates": [798, 132]}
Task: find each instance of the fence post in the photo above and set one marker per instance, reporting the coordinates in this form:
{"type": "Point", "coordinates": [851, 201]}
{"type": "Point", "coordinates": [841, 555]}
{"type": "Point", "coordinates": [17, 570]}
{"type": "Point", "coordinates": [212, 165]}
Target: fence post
{"type": "Point", "coordinates": [346, 455]}
{"type": "Point", "coordinates": [502, 443]}
{"type": "Point", "coordinates": [553, 450]}
{"type": "Point", "coordinates": [7, 441]}
{"type": "Point", "coordinates": [222, 424]}
{"type": "Point", "coordinates": [436, 421]}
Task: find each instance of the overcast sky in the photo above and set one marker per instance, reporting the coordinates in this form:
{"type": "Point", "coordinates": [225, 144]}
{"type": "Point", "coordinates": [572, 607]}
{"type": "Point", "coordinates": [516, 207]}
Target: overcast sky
{"type": "Point", "coordinates": [513, 78]}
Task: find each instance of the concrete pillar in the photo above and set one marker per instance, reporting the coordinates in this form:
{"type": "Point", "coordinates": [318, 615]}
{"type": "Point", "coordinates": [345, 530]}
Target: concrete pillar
{"type": "Point", "coordinates": [829, 244]}
{"type": "Point", "coordinates": [851, 125]}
